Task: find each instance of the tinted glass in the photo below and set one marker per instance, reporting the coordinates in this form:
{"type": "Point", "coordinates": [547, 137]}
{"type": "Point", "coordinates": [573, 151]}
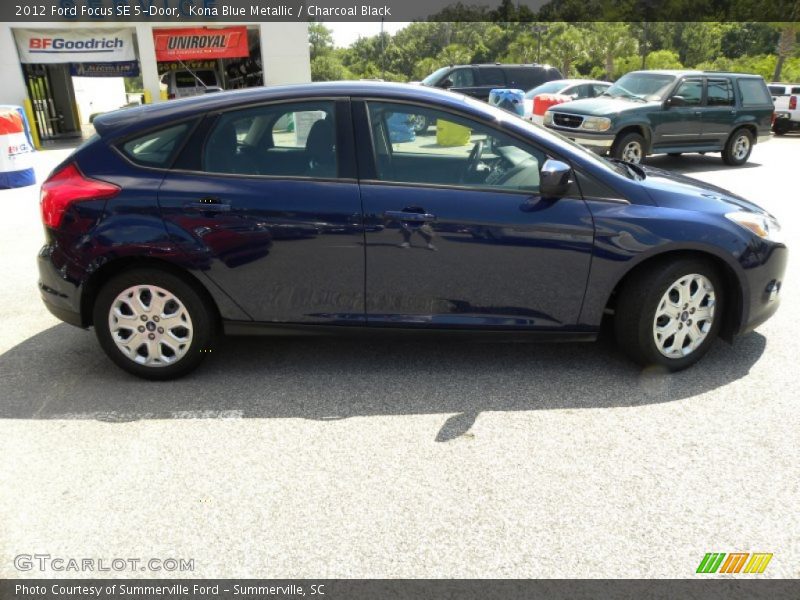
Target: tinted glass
{"type": "Point", "coordinates": [778, 90]}
{"type": "Point", "coordinates": [691, 91]}
{"type": "Point", "coordinates": [492, 76]}
{"type": "Point", "coordinates": [796, 90]}
{"type": "Point", "coordinates": [157, 147]}
{"type": "Point", "coordinates": [462, 153]}
{"type": "Point", "coordinates": [294, 140]}
{"type": "Point", "coordinates": [720, 93]}
{"type": "Point", "coordinates": [434, 77]}
{"type": "Point", "coordinates": [462, 78]}
{"type": "Point", "coordinates": [754, 92]}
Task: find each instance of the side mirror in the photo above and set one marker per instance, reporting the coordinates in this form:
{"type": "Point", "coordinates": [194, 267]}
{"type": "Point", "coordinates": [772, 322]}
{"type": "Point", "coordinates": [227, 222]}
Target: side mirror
{"type": "Point", "coordinates": [676, 101]}
{"type": "Point", "coordinates": [447, 83]}
{"type": "Point", "coordinates": [554, 179]}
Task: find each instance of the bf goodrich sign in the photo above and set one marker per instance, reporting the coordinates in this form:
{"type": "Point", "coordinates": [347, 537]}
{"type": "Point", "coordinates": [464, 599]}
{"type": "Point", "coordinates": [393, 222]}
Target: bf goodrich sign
{"type": "Point", "coordinates": [74, 45]}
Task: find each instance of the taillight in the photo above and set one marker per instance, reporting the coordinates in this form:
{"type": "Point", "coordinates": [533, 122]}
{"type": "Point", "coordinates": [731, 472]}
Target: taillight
{"type": "Point", "coordinates": [67, 186]}
{"type": "Point", "coordinates": [793, 103]}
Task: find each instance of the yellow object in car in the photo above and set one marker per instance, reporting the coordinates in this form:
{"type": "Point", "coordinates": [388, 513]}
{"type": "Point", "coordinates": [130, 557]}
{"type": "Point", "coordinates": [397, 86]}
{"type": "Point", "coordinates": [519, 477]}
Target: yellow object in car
{"type": "Point", "coordinates": [451, 134]}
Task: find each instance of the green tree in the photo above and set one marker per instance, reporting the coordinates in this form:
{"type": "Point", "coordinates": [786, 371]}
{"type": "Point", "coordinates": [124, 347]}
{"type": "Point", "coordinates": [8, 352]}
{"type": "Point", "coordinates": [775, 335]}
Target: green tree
{"type": "Point", "coordinates": [786, 44]}
{"type": "Point", "coordinates": [454, 54]}
{"type": "Point", "coordinates": [320, 39]}
{"type": "Point", "coordinates": [607, 41]}
{"type": "Point", "coordinates": [329, 67]}
{"type": "Point", "coordinates": [563, 45]}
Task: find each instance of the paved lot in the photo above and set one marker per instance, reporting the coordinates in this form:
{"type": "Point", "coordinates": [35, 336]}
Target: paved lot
{"type": "Point", "coordinates": [310, 458]}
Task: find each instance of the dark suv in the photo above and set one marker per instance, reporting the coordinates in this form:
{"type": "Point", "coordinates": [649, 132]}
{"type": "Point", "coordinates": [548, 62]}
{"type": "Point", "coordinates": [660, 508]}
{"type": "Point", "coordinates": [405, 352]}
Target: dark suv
{"type": "Point", "coordinates": [671, 112]}
{"type": "Point", "coordinates": [479, 80]}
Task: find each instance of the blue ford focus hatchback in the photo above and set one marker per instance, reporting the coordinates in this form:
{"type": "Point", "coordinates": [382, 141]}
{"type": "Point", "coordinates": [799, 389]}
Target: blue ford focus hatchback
{"type": "Point", "coordinates": [296, 209]}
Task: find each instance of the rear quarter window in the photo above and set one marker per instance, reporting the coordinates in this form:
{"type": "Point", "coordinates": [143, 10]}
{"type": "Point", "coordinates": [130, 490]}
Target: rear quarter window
{"type": "Point", "coordinates": [777, 90]}
{"type": "Point", "coordinates": [754, 92]}
{"type": "Point", "coordinates": [156, 148]}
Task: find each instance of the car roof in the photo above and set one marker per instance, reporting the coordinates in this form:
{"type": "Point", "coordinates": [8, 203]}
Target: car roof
{"type": "Point", "coordinates": [575, 81]}
{"type": "Point", "coordinates": [685, 72]}
{"type": "Point", "coordinates": [122, 122]}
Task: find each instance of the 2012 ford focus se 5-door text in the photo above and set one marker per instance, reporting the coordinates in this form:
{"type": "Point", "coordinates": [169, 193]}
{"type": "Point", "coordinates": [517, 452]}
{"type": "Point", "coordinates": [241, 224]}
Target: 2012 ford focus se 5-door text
{"type": "Point", "coordinates": [292, 209]}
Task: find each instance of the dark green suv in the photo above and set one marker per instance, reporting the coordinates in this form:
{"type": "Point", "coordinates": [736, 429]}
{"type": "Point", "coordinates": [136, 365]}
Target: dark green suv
{"type": "Point", "coordinates": [671, 112]}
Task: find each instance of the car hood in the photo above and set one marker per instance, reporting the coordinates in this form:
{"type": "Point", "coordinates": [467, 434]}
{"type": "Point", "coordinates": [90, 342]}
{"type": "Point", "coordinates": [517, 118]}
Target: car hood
{"type": "Point", "coordinates": [672, 190]}
{"type": "Point", "coordinates": [603, 106]}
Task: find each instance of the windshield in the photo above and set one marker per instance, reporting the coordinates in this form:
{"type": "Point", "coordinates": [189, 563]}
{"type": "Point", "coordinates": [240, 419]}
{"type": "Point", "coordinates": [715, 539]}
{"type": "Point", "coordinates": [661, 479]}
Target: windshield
{"type": "Point", "coordinates": [551, 87]}
{"type": "Point", "coordinates": [433, 78]}
{"type": "Point", "coordinates": [642, 86]}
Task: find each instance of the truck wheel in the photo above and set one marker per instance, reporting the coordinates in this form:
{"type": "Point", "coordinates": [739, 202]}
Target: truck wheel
{"type": "Point", "coordinates": [630, 148]}
{"type": "Point", "coordinates": [738, 148]}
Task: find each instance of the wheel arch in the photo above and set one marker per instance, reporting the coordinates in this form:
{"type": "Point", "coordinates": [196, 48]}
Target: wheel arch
{"type": "Point", "coordinates": [640, 128]}
{"type": "Point", "coordinates": [111, 269]}
{"type": "Point", "coordinates": [733, 314]}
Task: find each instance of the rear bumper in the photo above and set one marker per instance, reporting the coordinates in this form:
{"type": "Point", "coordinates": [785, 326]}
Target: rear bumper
{"type": "Point", "coordinates": [764, 283]}
{"type": "Point", "coordinates": [60, 295]}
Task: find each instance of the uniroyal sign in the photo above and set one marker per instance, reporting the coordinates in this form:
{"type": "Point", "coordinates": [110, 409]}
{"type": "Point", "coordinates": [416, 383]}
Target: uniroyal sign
{"type": "Point", "coordinates": [200, 43]}
{"type": "Point", "coordinates": [74, 45]}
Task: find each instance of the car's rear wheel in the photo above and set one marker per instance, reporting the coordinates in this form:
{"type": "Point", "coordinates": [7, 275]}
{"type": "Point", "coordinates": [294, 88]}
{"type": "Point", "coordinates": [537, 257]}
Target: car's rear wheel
{"type": "Point", "coordinates": [780, 129]}
{"type": "Point", "coordinates": [153, 323]}
{"type": "Point", "coordinates": [669, 315]}
{"type": "Point", "coordinates": [738, 148]}
{"type": "Point", "coordinates": [630, 148]}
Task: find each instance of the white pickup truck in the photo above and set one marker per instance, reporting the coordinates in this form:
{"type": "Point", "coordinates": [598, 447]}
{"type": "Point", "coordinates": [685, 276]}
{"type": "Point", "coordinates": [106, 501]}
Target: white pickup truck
{"type": "Point", "coordinates": [786, 97]}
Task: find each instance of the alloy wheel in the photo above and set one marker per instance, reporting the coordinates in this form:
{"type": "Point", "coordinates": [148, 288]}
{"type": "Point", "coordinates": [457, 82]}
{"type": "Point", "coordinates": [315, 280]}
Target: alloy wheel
{"type": "Point", "coordinates": [150, 326]}
{"type": "Point", "coordinates": [741, 147]}
{"type": "Point", "coordinates": [684, 316]}
{"type": "Point", "coordinates": [632, 152]}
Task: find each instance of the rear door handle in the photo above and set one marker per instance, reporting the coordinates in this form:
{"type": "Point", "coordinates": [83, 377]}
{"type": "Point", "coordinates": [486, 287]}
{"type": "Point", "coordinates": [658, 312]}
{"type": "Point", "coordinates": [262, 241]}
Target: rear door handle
{"type": "Point", "coordinates": [209, 205]}
{"type": "Point", "coordinates": [409, 216]}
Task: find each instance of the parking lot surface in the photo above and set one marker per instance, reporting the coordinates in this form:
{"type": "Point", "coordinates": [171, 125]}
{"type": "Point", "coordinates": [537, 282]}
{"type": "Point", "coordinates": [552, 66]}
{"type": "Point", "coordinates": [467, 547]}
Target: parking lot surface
{"type": "Point", "coordinates": [318, 457]}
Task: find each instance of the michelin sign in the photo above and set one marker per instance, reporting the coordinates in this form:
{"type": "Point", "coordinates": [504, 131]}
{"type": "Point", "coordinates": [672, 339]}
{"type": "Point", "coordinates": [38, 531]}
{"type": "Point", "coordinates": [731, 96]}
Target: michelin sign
{"type": "Point", "coordinates": [50, 46]}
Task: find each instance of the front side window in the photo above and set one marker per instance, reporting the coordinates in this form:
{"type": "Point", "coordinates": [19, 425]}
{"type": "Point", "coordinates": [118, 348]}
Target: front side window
{"type": "Point", "coordinates": [754, 92]}
{"type": "Point", "coordinates": [291, 140]}
{"type": "Point", "coordinates": [461, 153]}
{"type": "Point", "coordinates": [720, 93]}
{"type": "Point", "coordinates": [462, 78]}
{"type": "Point", "coordinates": [155, 149]}
{"type": "Point", "coordinates": [689, 93]}
{"type": "Point", "coordinates": [492, 76]}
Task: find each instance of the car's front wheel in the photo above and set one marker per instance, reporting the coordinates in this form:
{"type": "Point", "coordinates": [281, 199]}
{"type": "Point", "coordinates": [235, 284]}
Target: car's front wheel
{"type": "Point", "coordinates": [669, 315]}
{"type": "Point", "coordinates": [738, 148]}
{"type": "Point", "coordinates": [153, 323]}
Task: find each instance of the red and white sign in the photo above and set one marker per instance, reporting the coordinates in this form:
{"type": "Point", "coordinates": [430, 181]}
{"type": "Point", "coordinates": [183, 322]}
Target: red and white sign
{"type": "Point", "coordinates": [200, 43]}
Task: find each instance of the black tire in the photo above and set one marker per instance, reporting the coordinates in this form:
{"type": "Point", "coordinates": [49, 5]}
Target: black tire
{"type": "Point", "coordinates": [639, 299]}
{"type": "Point", "coordinates": [618, 150]}
{"type": "Point", "coordinates": [780, 130]}
{"type": "Point", "coordinates": [202, 321]}
{"type": "Point", "coordinates": [730, 154]}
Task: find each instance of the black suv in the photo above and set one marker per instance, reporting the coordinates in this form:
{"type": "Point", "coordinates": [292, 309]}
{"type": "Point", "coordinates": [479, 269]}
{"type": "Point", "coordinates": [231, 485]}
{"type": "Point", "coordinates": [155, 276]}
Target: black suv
{"type": "Point", "coordinates": [671, 112]}
{"type": "Point", "coordinates": [479, 80]}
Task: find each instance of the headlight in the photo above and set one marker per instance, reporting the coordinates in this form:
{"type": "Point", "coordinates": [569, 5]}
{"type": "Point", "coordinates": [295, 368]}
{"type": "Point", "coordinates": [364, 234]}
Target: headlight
{"type": "Point", "coordinates": [596, 123]}
{"type": "Point", "coordinates": [548, 118]}
{"type": "Point", "coordinates": [764, 226]}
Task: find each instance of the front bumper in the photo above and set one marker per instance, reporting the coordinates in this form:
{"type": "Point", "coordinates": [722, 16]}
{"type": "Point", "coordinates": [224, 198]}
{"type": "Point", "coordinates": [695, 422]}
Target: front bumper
{"type": "Point", "coordinates": [599, 143]}
{"type": "Point", "coordinates": [764, 283]}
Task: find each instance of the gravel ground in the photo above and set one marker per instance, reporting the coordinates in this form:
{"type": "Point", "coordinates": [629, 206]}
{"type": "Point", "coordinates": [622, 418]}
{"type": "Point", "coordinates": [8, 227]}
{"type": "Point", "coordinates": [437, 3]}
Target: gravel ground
{"type": "Point", "coordinates": [342, 458]}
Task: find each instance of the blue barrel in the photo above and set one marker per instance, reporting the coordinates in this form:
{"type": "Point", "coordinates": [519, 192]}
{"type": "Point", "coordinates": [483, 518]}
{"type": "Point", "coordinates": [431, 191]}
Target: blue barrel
{"type": "Point", "coordinates": [508, 99]}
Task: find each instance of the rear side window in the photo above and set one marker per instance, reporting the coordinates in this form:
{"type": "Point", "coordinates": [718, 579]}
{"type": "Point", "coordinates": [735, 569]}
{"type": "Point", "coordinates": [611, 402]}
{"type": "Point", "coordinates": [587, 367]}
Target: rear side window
{"type": "Point", "coordinates": [778, 90]}
{"type": "Point", "coordinates": [796, 90]}
{"type": "Point", "coordinates": [720, 93]}
{"type": "Point", "coordinates": [754, 92]}
{"type": "Point", "coordinates": [295, 139]}
{"type": "Point", "coordinates": [155, 149]}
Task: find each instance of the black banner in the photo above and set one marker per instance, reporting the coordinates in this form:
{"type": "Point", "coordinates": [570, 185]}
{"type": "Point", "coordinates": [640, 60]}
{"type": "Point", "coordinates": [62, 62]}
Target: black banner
{"type": "Point", "coordinates": [391, 589]}
{"type": "Point", "coordinates": [193, 11]}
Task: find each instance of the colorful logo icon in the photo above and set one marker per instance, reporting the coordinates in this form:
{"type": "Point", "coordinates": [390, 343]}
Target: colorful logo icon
{"type": "Point", "coordinates": [736, 562]}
